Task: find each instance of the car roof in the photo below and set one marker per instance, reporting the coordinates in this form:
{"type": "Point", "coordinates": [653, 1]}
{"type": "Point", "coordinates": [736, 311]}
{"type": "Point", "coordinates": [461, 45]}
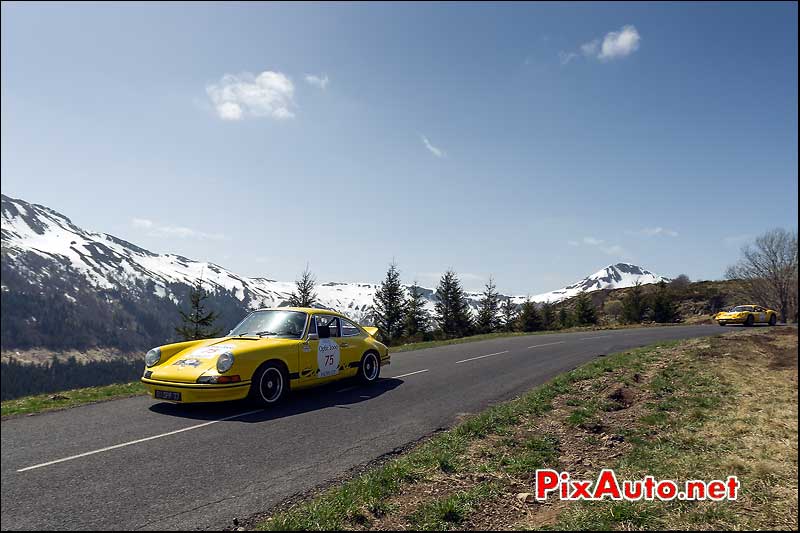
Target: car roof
{"type": "Point", "coordinates": [309, 310]}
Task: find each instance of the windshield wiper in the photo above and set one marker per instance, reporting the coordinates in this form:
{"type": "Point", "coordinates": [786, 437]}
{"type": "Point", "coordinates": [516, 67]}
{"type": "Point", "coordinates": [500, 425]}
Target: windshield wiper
{"type": "Point", "coordinates": [262, 333]}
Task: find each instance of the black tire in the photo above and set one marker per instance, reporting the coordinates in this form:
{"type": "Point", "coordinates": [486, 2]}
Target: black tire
{"type": "Point", "coordinates": [369, 370]}
{"type": "Point", "coordinates": [773, 320]}
{"type": "Point", "coordinates": [749, 321]}
{"type": "Point", "coordinates": [722, 323]}
{"type": "Point", "coordinates": [270, 385]}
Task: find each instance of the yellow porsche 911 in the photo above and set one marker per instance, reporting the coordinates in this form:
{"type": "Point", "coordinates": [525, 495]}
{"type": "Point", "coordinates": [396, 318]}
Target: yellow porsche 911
{"type": "Point", "coordinates": [747, 315]}
{"type": "Point", "coordinates": [270, 352]}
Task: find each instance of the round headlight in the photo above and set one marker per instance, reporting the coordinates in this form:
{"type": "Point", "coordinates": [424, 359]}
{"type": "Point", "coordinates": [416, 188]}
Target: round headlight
{"type": "Point", "coordinates": [152, 357]}
{"type": "Point", "coordinates": [224, 362]}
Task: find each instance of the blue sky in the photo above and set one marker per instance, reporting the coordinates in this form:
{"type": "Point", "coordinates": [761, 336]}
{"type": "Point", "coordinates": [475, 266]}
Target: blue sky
{"type": "Point", "coordinates": [534, 142]}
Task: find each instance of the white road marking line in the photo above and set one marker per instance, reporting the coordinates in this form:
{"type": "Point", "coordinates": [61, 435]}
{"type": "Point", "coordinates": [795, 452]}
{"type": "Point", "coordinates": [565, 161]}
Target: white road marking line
{"type": "Point", "coordinates": [108, 448]}
{"type": "Point", "coordinates": [548, 344]}
{"type": "Point", "coordinates": [409, 374]}
{"type": "Point", "coordinates": [481, 357]}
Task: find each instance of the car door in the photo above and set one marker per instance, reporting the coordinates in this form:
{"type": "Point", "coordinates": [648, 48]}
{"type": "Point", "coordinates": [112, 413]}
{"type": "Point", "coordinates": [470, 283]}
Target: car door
{"type": "Point", "coordinates": [327, 357]}
{"type": "Point", "coordinates": [761, 314]}
{"type": "Point", "coordinates": [352, 343]}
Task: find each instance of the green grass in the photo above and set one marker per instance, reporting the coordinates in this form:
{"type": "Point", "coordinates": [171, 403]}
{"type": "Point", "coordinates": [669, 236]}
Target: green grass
{"type": "Point", "coordinates": [690, 432]}
{"type": "Point", "coordinates": [61, 400]}
{"type": "Point", "coordinates": [444, 453]}
{"type": "Point", "coordinates": [449, 512]}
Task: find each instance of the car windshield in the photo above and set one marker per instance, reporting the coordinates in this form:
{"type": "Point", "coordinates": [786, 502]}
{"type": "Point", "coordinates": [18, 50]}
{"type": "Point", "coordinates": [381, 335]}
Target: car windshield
{"type": "Point", "coordinates": [272, 324]}
{"type": "Point", "coordinates": [741, 309]}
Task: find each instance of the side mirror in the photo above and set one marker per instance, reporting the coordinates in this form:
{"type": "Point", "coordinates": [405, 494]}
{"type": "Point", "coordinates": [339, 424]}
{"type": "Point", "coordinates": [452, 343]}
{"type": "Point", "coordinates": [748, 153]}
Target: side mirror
{"type": "Point", "coordinates": [312, 337]}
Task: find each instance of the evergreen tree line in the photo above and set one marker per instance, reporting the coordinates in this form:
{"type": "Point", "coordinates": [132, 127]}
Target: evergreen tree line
{"type": "Point", "coordinates": [22, 379]}
{"type": "Point", "coordinates": [660, 306]}
{"type": "Point", "coordinates": [401, 316]}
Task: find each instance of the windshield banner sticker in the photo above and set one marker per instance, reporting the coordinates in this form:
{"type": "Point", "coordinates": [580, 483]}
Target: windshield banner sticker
{"type": "Point", "coordinates": [209, 352]}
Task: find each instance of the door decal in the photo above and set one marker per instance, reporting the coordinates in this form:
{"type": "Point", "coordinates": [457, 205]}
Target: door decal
{"type": "Point", "coordinates": [328, 358]}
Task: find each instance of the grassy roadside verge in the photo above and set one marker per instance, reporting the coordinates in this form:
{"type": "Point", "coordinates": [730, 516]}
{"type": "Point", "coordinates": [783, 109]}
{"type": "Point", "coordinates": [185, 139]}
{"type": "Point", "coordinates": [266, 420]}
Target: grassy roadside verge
{"type": "Point", "coordinates": [40, 403]}
{"type": "Point", "coordinates": [72, 398]}
{"type": "Point", "coordinates": [703, 408]}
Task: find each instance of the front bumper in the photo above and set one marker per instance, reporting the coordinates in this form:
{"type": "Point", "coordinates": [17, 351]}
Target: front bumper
{"type": "Point", "coordinates": [731, 320]}
{"type": "Point", "coordinates": [199, 392]}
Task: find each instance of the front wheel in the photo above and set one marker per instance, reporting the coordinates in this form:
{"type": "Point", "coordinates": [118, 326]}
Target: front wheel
{"type": "Point", "coordinates": [749, 321]}
{"type": "Point", "coordinates": [773, 320]}
{"type": "Point", "coordinates": [269, 385]}
{"type": "Point", "coordinates": [370, 368]}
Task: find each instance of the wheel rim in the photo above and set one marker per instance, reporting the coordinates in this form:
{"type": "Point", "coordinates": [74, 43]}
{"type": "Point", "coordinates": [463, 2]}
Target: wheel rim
{"type": "Point", "coordinates": [271, 385]}
{"type": "Point", "coordinates": [371, 367]}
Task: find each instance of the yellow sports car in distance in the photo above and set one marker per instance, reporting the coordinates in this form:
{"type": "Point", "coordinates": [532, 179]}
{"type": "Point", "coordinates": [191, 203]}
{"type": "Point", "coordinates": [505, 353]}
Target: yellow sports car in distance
{"type": "Point", "coordinates": [270, 352]}
{"type": "Point", "coordinates": [747, 315]}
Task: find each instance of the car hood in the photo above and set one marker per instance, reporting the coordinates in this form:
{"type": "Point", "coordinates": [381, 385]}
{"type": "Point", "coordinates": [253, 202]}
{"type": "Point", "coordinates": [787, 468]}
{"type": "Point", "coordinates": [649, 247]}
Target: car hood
{"type": "Point", "coordinates": [186, 365]}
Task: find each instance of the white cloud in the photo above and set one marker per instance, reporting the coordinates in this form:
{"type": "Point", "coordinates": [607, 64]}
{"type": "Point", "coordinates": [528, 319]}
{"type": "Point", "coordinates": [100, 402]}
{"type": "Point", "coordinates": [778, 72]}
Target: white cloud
{"type": "Point", "coordinates": [157, 230]}
{"type": "Point", "coordinates": [438, 152]}
{"type": "Point", "coordinates": [652, 232]}
{"type": "Point", "coordinates": [620, 44]}
{"type": "Point", "coordinates": [270, 94]}
{"type": "Point", "coordinates": [615, 44]}
{"type": "Point", "coordinates": [590, 48]}
{"type": "Point", "coordinates": [320, 82]}
{"type": "Point", "coordinates": [610, 249]}
{"type": "Point", "coordinates": [566, 57]}
{"type": "Point", "coordinates": [142, 223]}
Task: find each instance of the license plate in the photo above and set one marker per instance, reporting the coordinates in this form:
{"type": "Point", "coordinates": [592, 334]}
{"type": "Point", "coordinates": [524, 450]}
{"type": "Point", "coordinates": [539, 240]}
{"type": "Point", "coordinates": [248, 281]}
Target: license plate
{"type": "Point", "coordinates": [168, 395]}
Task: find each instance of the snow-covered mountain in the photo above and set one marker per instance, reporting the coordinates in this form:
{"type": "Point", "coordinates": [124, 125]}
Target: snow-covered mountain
{"type": "Point", "coordinates": [43, 249]}
{"type": "Point", "coordinates": [39, 243]}
{"type": "Point", "coordinates": [617, 276]}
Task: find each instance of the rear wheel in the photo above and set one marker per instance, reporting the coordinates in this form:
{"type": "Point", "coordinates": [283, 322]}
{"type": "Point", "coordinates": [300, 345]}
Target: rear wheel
{"type": "Point", "coordinates": [749, 320]}
{"type": "Point", "coordinates": [370, 368]}
{"type": "Point", "coordinates": [773, 320]}
{"type": "Point", "coordinates": [269, 386]}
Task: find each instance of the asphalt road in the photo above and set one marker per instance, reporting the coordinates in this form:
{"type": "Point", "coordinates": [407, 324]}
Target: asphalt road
{"type": "Point", "coordinates": [140, 464]}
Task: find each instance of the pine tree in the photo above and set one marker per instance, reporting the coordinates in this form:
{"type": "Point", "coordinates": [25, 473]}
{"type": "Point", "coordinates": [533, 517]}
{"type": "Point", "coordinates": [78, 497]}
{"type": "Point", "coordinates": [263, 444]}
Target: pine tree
{"type": "Point", "coordinates": [529, 319]}
{"type": "Point", "coordinates": [548, 316]}
{"type": "Point", "coordinates": [389, 306]}
{"type": "Point", "coordinates": [488, 319]}
{"type": "Point", "coordinates": [585, 313]}
{"type": "Point", "coordinates": [452, 311]}
{"type": "Point", "coordinates": [634, 305]}
{"type": "Point", "coordinates": [664, 308]}
{"type": "Point", "coordinates": [197, 323]}
{"type": "Point", "coordinates": [417, 320]}
{"type": "Point", "coordinates": [564, 319]}
{"type": "Point", "coordinates": [304, 295]}
{"type": "Point", "coordinates": [509, 311]}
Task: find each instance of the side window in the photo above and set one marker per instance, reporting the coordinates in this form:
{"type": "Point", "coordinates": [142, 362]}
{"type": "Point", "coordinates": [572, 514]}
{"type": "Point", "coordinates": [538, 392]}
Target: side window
{"type": "Point", "coordinates": [330, 322]}
{"type": "Point", "coordinates": [349, 329]}
{"type": "Point", "coordinates": [312, 324]}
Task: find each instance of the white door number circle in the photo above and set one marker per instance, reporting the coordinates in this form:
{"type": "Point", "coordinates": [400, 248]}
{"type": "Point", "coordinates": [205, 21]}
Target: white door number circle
{"type": "Point", "coordinates": [328, 358]}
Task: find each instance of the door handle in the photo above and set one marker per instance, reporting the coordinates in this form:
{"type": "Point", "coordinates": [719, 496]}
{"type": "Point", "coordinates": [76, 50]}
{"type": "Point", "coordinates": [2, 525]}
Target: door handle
{"type": "Point", "coordinates": [344, 345]}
